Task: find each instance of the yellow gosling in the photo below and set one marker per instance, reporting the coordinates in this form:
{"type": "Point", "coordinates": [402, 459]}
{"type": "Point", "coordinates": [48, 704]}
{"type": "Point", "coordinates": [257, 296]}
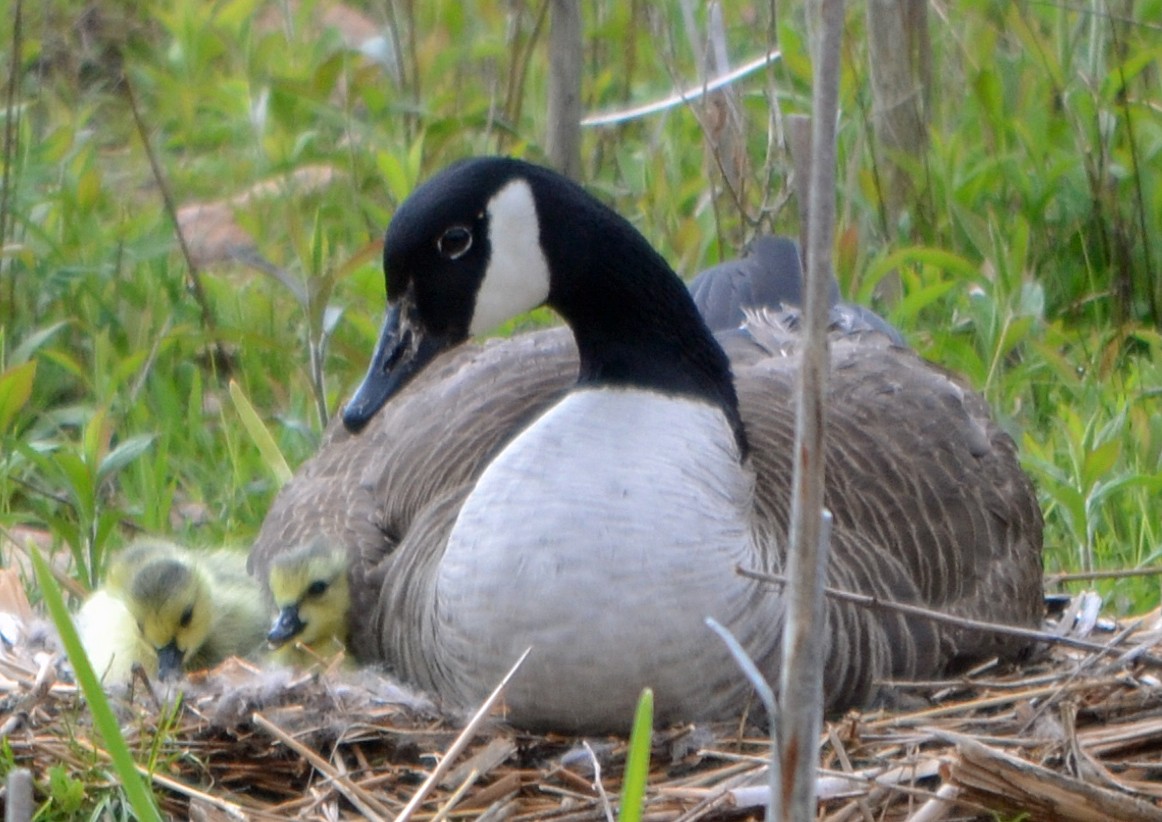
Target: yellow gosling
{"type": "Point", "coordinates": [313, 596]}
{"type": "Point", "coordinates": [193, 608]}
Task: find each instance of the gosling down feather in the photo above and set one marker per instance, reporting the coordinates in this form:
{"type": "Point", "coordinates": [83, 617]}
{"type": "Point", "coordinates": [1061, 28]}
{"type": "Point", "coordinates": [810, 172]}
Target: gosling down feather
{"type": "Point", "coordinates": [112, 640]}
{"type": "Point", "coordinates": [495, 499]}
{"type": "Point", "coordinates": [172, 609]}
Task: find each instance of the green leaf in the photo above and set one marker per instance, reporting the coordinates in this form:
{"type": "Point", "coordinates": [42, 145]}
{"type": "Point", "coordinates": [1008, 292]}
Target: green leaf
{"type": "Point", "coordinates": [32, 343]}
{"type": "Point", "coordinates": [1015, 333]}
{"type": "Point", "coordinates": [78, 475]}
{"type": "Point", "coordinates": [234, 13]}
{"type": "Point", "coordinates": [95, 437]}
{"type": "Point", "coordinates": [15, 389]}
{"type": "Point", "coordinates": [267, 447]}
{"type": "Point", "coordinates": [918, 300]}
{"type": "Point", "coordinates": [125, 453]}
{"type": "Point", "coordinates": [1099, 461]}
{"type": "Point", "coordinates": [65, 792]}
{"type": "Point", "coordinates": [88, 188]}
{"type": "Point", "coordinates": [637, 760]}
{"type": "Point", "coordinates": [105, 721]}
{"type": "Point", "coordinates": [394, 175]}
{"type": "Point", "coordinates": [1122, 74]}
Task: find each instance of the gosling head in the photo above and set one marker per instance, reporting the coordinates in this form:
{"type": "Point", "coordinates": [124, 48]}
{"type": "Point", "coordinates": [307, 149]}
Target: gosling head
{"type": "Point", "coordinates": [312, 595]}
{"type": "Point", "coordinates": [171, 603]}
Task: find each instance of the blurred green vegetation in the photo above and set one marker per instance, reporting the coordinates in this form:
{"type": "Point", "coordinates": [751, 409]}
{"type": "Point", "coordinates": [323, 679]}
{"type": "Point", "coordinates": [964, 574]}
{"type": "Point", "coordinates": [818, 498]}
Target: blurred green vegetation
{"type": "Point", "coordinates": [1028, 260]}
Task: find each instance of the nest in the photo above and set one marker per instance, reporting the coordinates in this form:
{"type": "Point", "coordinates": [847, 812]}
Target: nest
{"type": "Point", "coordinates": [1072, 735]}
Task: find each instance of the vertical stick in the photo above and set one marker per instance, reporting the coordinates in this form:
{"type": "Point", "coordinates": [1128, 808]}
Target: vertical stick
{"type": "Point", "coordinates": [798, 128]}
{"type": "Point", "coordinates": [801, 681]}
{"type": "Point", "coordinates": [563, 142]}
{"type": "Point", "coordinates": [19, 806]}
{"type": "Point", "coordinates": [11, 138]}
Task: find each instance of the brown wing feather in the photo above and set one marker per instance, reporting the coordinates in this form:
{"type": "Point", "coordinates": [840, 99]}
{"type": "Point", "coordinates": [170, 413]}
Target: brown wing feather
{"type": "Point", "coordinates": [930, 507]}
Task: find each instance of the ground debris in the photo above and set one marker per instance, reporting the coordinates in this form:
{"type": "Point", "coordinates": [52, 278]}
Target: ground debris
{"type": "Point", "coordinates": [1071, 735]}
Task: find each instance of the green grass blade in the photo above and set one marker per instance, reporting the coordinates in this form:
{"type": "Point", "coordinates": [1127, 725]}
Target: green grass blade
{"type": "Point", "coordinates": [139, 796]}
{"type": "Point", "coordinates": [15, 389]}
{"type": "Point", "coordinates": [271, 454]}
{"type": "Point", "coordinates": [637, 761]}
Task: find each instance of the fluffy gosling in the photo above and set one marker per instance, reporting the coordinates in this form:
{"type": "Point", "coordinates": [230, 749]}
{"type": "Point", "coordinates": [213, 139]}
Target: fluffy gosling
{"type": "Point", "coordinates": [313, 596]}
{"type": "Point", "coordinates": [192, 609]}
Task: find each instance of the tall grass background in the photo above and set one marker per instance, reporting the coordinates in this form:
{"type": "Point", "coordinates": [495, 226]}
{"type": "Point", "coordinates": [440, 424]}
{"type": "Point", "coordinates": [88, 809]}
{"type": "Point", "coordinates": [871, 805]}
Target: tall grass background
{"type": "Point", "coordinates": [1027, 259]}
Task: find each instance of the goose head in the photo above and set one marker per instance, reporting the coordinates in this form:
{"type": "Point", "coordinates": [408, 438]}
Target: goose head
{"type": "Point", "coordinates": [171, 603]}
{"type": "Point", "coordinates": [490, 238]}
{"type": "Point", "coordinates": [311, 593]}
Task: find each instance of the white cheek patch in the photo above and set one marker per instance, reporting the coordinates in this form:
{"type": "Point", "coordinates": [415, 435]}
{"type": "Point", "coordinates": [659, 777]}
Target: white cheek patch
{"type": "Point", "coordinates": [517, 277]}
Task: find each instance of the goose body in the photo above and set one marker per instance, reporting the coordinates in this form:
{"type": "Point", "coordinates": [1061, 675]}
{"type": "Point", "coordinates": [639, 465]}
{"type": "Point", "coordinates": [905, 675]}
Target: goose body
{"type": "Point", "coordinates": [587, 581]}
{"type": "Point", "coordinates": [598, 516]}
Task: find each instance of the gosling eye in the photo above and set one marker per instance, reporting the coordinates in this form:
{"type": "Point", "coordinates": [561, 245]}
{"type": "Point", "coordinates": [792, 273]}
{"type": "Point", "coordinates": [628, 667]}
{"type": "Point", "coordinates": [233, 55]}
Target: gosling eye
{"type": "Point", "coordinates": [187, 615]}
{"type": "Point", "coordinates": [454, 242]}
{"type": "Point", "coordinates": [317, 588]}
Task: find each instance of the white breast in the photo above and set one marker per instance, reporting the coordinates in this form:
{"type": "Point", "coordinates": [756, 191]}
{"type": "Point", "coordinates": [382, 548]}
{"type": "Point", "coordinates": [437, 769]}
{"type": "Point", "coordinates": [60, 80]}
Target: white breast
{"type": "Point", "coordinates": [603, 536]}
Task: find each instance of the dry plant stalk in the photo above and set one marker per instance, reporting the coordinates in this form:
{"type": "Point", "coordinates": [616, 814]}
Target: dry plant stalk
{"type": "Point", "coordinates": [999, 780]}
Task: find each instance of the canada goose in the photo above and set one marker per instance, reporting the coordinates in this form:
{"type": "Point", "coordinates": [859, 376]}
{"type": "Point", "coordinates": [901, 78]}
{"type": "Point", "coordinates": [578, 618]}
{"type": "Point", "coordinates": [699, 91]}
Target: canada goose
{"type": "Point", "coordinates": [311, 592]}
{"type": "Point", "coordinates": [191, 608]}
{"type": "Point", "coordinates": [607, 529]}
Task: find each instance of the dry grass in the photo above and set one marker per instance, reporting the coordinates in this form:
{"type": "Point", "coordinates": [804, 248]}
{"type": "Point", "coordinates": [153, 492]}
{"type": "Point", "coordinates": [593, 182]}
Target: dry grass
{"type": "Point", "coordinates": [1068, 736]}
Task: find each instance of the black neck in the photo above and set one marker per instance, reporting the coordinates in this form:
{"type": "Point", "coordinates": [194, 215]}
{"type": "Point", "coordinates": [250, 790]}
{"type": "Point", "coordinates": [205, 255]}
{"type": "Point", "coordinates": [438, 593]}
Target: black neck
{"type": "Point", "coordinates": [632, 316]}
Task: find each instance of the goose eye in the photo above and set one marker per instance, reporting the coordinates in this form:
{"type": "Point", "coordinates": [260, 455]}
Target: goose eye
{"type": "Point", "coordinates": [317, 588]}
{"type": "Point", "coordinates": [187, 615]}
{"type": "Point", "coordinates": [454, 242]}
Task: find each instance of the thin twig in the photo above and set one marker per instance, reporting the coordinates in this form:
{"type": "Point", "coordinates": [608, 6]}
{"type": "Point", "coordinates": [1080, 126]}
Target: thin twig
{"type": "Point", "coordinates": [461, 742]}
{"type": "Point", "coordinates": [597, 783]}
{"type": "Point", "coordinates": [456, 796]}
{"type": "Point", "coordinates": [801, 671]}
{"type": "Point", "coordinates": [231, 809]}
{"type": "Point", "coordinates": [11, 136]}
{"type": "Point", "coordinates": [1122, 573]}
{"type": "Point", "coordinates": [171, 209]}
{"type": "Point", "coordinates": [519, 68]}
{"type": "Point", "coordinates": [689, 95]}
{"type": "Point", "coordinates": [234, 811]}
{"type": "Point", "coordinates": [845, 762]}
{"type": "Point", "coordinates": [368, 805]}
{"type": "Point", "coordinates": [870, 601]}
{"type": "Point", "coordinates": [1075, 675]}
{"type": "Point", "coordinates": [64, 580]}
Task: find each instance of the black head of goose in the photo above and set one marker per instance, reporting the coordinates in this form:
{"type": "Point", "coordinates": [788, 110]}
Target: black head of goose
{"type": "Point", "coordinates": [607, 529]}
{"type": "Point", "coordinates": [495, 256]}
